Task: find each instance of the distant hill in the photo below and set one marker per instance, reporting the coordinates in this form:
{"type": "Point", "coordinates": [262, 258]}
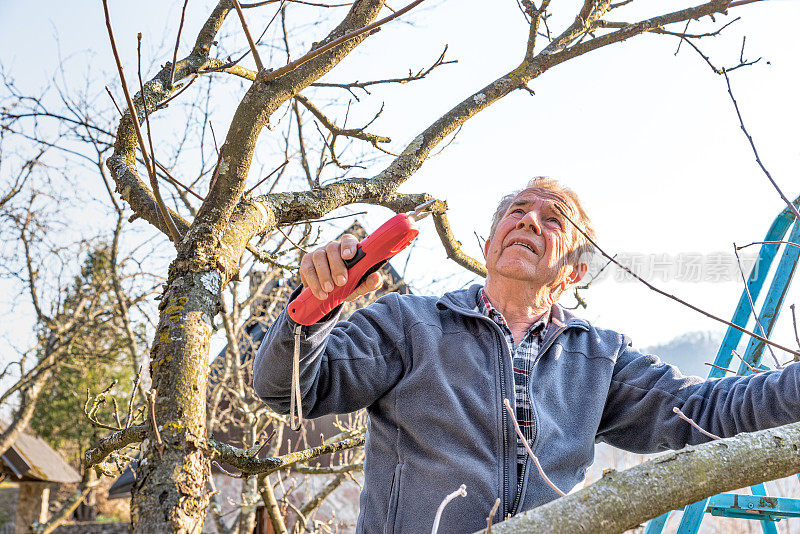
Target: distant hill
{"type": "Point", "coordinates": [689, 351]}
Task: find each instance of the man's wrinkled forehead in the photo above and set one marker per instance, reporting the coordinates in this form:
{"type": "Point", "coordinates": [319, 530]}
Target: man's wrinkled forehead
{"type": "Point", "coordinates": [553, 197]}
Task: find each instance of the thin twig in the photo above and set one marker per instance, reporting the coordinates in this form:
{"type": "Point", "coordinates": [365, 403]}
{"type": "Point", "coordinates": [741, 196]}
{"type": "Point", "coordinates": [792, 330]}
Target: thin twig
{"type": "Point", "coordinates": [673, 297]}
{"type": "Point", "coordinates": [746, 363]}
{"type": "Point", "coordinates": [695, 425]}
{"type": "Point", "coordinates": [176, 182]}
{"type": "Point", "coordinates": [743, 2]}
{"type": "Point", "coordinates": [214, 137]}
{"type": "Point", "coordinates": [577, 289]}
{"type": "Point", "coordinates": [752, 304]}
{"type": "Point", "coordinates": [129, 417]}
{"type": "Point", "coordinates": [325, 219]}
{"type": "Point", "coordinates": [422, 73]}
{"type": "Point", "coordinates": [173, 231]}
{"type": "Point", "coordinates": [229, 473]}
{"type": "Point", "coordinates": [266, 257]}
{"type": "Point", "coordinates": [151, 400]}
{"type": "Point", "coordinates": [177, 43]}
{"type": "Point", "coordinates": [290, 240]}
{"type": "Point", "coordinates": [753, 146]}
{"type": "Point", "coordinates": [230, 64]}
{"type": "Point", "coordinates": [116, 412]}
{"type": "Point", "coordinates": [680, 41]}
{"type": "Point", "coordinates": [481, 242]}
{"type": "Point", "coordinates": [141, 92]}
{"type": "Point", "coordinates": [259, 65]}
{"type": "Point", "coordinates": [269, 76]}
{"type": "Point", "coordinates": [184, 87]}
{"type": "Point", "coordinates": [112, 99]}
{"type": "Point", "coordinates": [214, 175]}
{"type": "Point", "coordinates": [462, 491]}
{"type": "Point", "coordinates": [264, 179]}
{"type": "Point", "coordinates": [769, 243]}
{"type": "Point", "coordinates": [492, 513]}
{"type": "Point", "coordinates": [266, 441]}
{"type": "Point", "coordinates": [794, 323]}
{"type": "Point", "coordinates": [720, 368]}
{"type": "Point", "coordinates": [316, 4]}
{"type": "Point", "coordinates": [542, 474]}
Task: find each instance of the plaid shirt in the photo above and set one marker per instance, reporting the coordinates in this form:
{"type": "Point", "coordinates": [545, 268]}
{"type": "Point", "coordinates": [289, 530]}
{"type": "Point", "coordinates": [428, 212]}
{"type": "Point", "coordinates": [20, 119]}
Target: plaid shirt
{"type": "Point", "coordinates": [523, 356]}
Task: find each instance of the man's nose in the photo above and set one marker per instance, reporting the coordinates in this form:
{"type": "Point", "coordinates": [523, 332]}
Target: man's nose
{"type": "Point", "coordinates": [530, 220]}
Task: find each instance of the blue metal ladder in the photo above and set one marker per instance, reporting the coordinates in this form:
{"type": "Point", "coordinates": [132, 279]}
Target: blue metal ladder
{"type": "Point", "coordinates": [754, 507]}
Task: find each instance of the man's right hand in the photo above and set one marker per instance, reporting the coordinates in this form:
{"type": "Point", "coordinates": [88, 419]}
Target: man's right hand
{"type": "Point", "coordinates": [323, 269]}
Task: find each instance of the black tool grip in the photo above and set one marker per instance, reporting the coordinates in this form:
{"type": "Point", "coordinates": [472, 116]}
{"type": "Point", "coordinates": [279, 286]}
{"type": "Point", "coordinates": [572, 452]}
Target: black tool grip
{"type": "Point", "coordinates": [371, 270]}
{"type": "Point", "coordinates": [359, 255]}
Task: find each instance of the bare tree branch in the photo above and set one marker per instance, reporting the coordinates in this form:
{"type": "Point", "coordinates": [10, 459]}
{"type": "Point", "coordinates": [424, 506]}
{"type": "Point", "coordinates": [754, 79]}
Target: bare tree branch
{"type": "Point", "coordinates": [256, 57]}
{"type": "Point", "coordinates": [622, 500]}
{"type": "Point", "coordinates": [113, 442]}
{"type": "Point", "coordinates": [789, 203]}
{"type": "Point", "coordinates": [240, 459]}
{"type": "Point", "coordinates": [173, 231]}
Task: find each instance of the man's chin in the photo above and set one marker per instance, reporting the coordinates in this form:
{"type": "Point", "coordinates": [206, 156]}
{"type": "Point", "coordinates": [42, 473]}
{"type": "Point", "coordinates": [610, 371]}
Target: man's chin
{"type": "Point", "coordinates": [518, 272]}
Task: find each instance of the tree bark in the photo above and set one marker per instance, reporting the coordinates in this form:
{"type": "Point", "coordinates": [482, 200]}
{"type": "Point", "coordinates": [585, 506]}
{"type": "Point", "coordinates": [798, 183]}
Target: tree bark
{"type": "Point", "coordinates": [271, 505]}
{"type": "Point", "coordinates": [31, 505]}
{"type": "Point", "coordinates": [169, 494]}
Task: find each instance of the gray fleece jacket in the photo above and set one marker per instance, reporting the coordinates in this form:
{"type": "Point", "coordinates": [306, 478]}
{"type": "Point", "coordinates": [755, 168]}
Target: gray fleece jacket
{"type": "Point", "coordinates": [433, 373]}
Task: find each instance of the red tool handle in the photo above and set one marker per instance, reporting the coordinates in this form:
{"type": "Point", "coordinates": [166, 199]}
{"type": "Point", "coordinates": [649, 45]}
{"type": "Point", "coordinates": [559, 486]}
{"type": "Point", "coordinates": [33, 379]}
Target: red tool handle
{"type": "Point", "coordinates": [374, 251]}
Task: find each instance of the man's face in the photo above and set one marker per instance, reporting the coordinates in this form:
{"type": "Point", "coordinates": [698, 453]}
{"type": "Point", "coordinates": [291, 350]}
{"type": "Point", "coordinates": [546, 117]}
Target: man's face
{"type": "Point", "coordinates": [531, 240]}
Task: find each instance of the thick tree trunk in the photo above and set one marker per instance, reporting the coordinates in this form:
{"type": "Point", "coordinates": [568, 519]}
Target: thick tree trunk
{"type": "Point", "coordinates": [31, 505]}
{"type": "Point", "coordinates": [170, 494]}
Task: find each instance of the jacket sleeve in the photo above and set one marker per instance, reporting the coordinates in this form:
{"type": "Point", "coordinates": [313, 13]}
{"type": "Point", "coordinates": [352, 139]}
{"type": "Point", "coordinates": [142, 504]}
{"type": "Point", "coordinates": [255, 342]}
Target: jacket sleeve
{"type": "Point", "coordinates": [343, 367]}
{"type": "Point", "coordinates": [638, 413]}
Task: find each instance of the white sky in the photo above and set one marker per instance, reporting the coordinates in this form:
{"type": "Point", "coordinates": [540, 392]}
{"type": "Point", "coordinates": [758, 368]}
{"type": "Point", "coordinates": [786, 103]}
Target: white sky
{"type": "Point", "coordinates": [648, 139]}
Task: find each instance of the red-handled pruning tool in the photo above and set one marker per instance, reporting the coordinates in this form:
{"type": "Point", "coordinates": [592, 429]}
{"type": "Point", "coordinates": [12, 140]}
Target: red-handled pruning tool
{"type": "Point", "coordinates": [371, 254]}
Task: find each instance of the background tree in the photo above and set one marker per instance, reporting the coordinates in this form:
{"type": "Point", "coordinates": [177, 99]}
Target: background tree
{"type": "Point", "coordinates": [85, 297]}
{"type": "Point", "coordinates": [96, 358]}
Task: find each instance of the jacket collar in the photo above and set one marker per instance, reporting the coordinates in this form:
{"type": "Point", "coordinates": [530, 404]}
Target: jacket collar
{"type": "Point", "coordinates": [465, 302]}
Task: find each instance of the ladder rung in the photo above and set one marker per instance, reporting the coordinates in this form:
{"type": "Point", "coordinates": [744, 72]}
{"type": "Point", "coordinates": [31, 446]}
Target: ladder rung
{"type": "Point", "coordinates": [756, 507]}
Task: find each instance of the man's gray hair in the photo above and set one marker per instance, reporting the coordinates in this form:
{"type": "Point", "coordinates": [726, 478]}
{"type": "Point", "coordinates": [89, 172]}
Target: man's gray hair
{"type": "Point", "coordinates": [583, 250]}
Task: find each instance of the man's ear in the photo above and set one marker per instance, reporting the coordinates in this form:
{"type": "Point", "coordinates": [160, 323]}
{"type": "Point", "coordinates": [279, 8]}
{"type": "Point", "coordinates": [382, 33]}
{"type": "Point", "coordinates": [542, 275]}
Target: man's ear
{"type": "Point", "coordinates": [486, 247]}
{"type": "Point", "coordinates": [575, 274]}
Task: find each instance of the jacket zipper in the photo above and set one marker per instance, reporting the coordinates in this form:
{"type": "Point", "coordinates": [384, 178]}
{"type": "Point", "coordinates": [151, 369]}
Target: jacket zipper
{"type": "Point", "coordinates": [521, 486]}
{"type": "Point", "coordinates": [505, 433]}
{"type": "Point", "coordinates": [503, 416]}
{"type": "Point", "coordinates": [548, 343]}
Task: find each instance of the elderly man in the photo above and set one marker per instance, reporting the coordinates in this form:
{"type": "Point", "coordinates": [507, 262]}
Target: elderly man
{"type": "Point", "coordinates": [433, 374]}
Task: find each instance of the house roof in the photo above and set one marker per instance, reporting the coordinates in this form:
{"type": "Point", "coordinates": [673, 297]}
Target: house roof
{"type": "Point", "coordinates": [30, 458]}
{"type": "Point", "coordinates": [121, 488]}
